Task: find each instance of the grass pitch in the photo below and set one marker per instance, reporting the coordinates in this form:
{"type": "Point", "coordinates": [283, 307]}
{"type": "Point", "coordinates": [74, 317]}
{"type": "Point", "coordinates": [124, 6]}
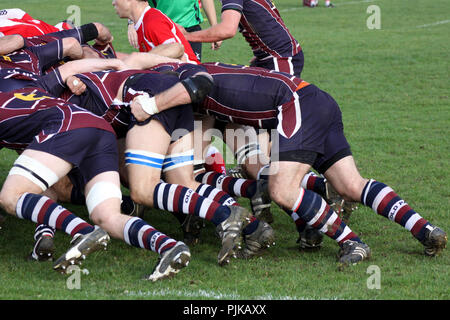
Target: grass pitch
{"type": "Point", "coordinates": [392, 85]}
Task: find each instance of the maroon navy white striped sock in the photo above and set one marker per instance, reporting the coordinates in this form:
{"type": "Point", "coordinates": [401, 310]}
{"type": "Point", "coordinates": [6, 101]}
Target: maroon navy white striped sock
{"type": "Point", "coordinates": [384, 201]}
{"type": "Point", "coordinates": [310, 207]}
{"type": "Point", "coordinates": [176, 198]}
{"type": "Point", "coordinates": [215, 194]}
{"type": "Point", "coordinates": [43, 210]}
{"type": "Point", "coordinates": [140, 234]}
{"type": "Point", "coordinates": [235, 187]}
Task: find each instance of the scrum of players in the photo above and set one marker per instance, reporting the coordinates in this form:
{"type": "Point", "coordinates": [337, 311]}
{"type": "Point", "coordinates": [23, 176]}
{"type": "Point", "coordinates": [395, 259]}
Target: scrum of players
{"type": "Point", "coordinates": [86, 121]}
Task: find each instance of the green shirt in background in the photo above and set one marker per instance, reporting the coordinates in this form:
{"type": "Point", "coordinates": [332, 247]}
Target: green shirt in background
{"type": "Point", "coordinates": [184, 12]}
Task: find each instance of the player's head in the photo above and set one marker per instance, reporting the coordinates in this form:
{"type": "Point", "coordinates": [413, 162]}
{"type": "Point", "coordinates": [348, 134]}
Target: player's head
{"type": "Point", "coordinates": [124, 7]}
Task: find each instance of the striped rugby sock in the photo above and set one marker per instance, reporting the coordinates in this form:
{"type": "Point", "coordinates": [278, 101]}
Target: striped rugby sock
{"type": "Point", "coordinates": [226, 200]}
{"type": "Point", "coordinates": [176, 198]}
{"type": "Point", "coordinates": [235, 187]}
{"type": "Point", "coordinates": [317, 213]}
{"type": "Point", "coordinates": [140, 234]}
{"type": "Point", "coordinates": [313, 182]}
{"type": "Point", "coordinates": [384, 201]}
{"type": "Point", "coordinates": [43, 210]}
{"type": "Point", "coordinates": [215, 194]}
{"type": "Point", "coordinates": [43, 230]}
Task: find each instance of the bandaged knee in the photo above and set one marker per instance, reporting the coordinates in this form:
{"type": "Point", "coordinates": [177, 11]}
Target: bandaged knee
{"type": "Point", "coordinates": [34, 171]}
{"type": "Point", "coordinates": [102, 191]}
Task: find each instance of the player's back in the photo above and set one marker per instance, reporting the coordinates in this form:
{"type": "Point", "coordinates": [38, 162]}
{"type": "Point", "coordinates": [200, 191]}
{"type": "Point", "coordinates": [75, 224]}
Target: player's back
{"type": "Point", "coordinates": [31, 113]}
{"type": "Point", "coordinates": [263, 28]}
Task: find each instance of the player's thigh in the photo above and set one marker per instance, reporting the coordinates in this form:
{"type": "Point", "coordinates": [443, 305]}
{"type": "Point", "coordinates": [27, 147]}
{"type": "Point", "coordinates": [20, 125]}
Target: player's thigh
{"type": "Point", "coordinates": [284, 181]}
{"type": "Point", "coordinates": [178, 164]}
{"type": "Point", "coordinates": [31, 173]}
{"type": "Point", "coordinates": [346, 179]}
{"type": "Point", "coordinates": [146, 147]}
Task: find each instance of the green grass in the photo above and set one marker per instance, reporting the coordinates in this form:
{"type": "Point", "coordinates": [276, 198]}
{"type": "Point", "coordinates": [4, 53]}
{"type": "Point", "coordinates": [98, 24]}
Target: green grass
{"type": "Point", "coordinates": [393, 87]}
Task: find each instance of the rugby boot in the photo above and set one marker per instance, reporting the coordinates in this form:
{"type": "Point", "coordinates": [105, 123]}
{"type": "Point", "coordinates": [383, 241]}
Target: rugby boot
{"type": "Point", "coordinates": [131, 208]}
{"type": "Point", "coordinates": [230, 231]}
{"type": "Point", "coordinates": [352, 252]}
{"type": "Point", "coordinates": [43, 249]}
{"type": "Point", "coordinates": [435, 240]}
{"type": "Point", "coordinates": [237, 172]}
{"type": "Point", "coordinates": [81, 246]}
{"type": "Point", "coordinates": [260, 203]}
{"type": "Point", "coordinates": [192, 227]}
{"type": "Point", "coordinates": [171, 262]}
{"type": "Point", "coordinates": [310, 238]}
{"type": "Point", "coordinates": [256, 242]}
{"type": "Point", "coordinates": [342, 207]}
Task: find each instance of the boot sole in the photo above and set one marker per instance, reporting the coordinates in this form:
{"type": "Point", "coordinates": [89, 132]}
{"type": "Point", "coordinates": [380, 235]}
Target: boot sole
{"type": "Point", "coordinates": [79, 252]}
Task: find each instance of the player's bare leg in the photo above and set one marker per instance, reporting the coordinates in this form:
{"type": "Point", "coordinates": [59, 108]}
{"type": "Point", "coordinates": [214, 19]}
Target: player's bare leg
{"type": "Point", "coordinates": [346, 179]}
{"type": "Point", "coordinates": [283, 187]}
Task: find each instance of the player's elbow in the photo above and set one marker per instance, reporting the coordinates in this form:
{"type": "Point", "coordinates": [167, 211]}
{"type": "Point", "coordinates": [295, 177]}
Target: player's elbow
{"type": "Point", "coordinates": [228, 32]}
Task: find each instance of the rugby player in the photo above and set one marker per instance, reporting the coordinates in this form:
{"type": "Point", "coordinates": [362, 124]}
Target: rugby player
{"type": "Point", "coordinates": [309, 125]}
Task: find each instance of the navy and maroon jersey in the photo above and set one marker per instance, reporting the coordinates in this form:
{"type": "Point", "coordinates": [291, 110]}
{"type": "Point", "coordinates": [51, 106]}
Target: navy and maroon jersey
{"type": "Point", "coordinates": [263, 28]}
{"type": "Point", "coordinates": [305, 117]}
{"type": "Point", "coordinates": [32, 114]}
{"type": "Point", "coordinates": [40, 53]}
{"type": "Point", "coordinates": [248, 95]}
{"type": "Point", "coordinates": [102, 89]}
{"type": "Point", "coordinates": [100, 97]}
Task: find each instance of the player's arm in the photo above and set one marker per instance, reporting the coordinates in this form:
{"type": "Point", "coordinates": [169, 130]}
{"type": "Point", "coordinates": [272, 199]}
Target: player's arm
{"type": "Point", "coordinates": [210, 11]}
{"type": "Point", "coordinates": [71, 68]}
{"type": "Point", "coordinates": [104, 35]}
{"type": "Point", "coordinates": [11, 43]}
{"type": "Point", "coordinates": [190, 90]}
{"type": "Point", "coordinates": [226, 29]}
{"type": "Point", "coordinates": [145, 60]}
{"type": "Point", "coordinates": [172, 50]}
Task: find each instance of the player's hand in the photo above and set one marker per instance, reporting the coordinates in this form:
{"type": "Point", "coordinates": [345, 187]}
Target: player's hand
{"type": "Point", "coordinates": [132, 36]}
{"type": "Point", "coordinates": [216, 45]}
{"type": "Point", "coordinates": [182, 29]}
{"type": "Point", "coordinates": [104, 35]}
{"type": "Point", "coordinates": [137, 111]}
{"type": "Point", "coordinates": [75, 85]}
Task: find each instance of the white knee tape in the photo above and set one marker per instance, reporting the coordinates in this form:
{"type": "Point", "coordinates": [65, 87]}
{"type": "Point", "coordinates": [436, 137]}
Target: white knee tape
{"type": "Point", "coordinates": [35, 171]}
{"type": "Point", "coordinates": [100, 192]}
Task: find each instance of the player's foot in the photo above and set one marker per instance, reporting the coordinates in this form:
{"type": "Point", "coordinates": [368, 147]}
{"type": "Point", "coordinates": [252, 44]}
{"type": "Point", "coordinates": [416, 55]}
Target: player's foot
{"type": "Point", "coordinates": [171, 262]}
{"type": "Point", "coordinates": [82, 245]}
{"type": "Point", "coordinates": [329, 5]}
{"type": "Point", "coordinates": [230, 232]}
{"type": "Point", "coordinates": [237, 172]}
{"type": "Point", "coordinates": [261, 202]}
{"type": "Point", "coordinates": [192, 227]}
{"type": "Point", "coordinates": [43, 249]}
{"type": "Point", "coordinates": [131, 208]}
{"type": "Point", "coordinates": [310, 238]}
{"type": "Point", "coordinates": [352, 252]}
{"type": "Point", "coordinates": [257, 241]}
{"type": "Point", "coordinates": [342, 208]}
{"type": "Point", "coordinates": [435, 240]}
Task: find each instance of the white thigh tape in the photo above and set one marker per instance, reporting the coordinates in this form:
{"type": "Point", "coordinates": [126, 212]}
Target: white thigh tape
{"type": "Point", "coordinates": [100, 192]}
{"type": "Point", "coordinates": [176, 160]}
{"type": "Point", "coordinates": [34, 171]}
